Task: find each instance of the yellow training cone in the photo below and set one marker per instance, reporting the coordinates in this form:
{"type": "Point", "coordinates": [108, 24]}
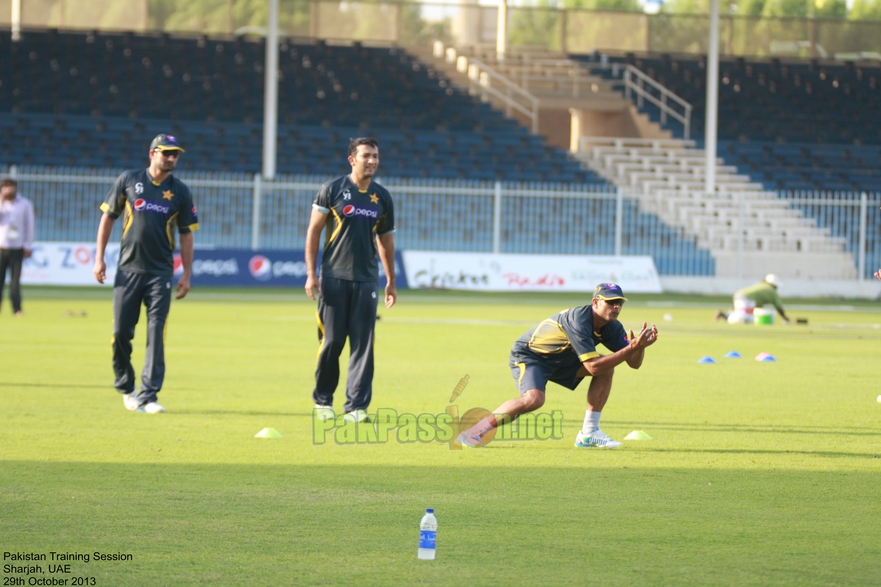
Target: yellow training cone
{"type": "Point", "coordinates": [268, 433]}
{"type": "Point", "coordinates": [637, 435]}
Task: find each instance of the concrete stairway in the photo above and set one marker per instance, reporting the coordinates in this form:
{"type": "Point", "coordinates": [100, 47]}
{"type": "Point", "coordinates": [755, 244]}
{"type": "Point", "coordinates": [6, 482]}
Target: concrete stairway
{"type": "Point", "coordinates": [749, 231]}
{"type": "Point", "coordinates": [669, 177]}
{"type": "Point", "coordinates": [537, 88]}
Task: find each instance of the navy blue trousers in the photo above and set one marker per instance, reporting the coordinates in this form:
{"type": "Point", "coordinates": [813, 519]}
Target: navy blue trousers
{"type": "Point", "coordinates": [130, 290]}
{"type": "Point", "coordinates": [346, 309]}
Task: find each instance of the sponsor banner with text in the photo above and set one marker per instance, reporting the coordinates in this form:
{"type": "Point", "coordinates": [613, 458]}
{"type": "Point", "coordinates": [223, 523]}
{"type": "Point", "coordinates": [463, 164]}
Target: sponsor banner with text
{"type": "Point", "coordinates": [504, 272]}
{"type": "Point", "coordinates": [239, 267]}
{"type": "Point", "coordinates": [55, 263]}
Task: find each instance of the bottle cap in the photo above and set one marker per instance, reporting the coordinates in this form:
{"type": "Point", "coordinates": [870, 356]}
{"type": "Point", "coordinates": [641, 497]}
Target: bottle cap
{"type": "Point", "coordinates": [429, 510]}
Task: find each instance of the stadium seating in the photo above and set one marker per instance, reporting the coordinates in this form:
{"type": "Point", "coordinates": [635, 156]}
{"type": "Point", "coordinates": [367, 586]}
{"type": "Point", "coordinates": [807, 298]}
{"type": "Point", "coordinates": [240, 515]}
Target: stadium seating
{"type": "Point", "coordinates": [68, 140]}
{"type": "Point", "coordinates": [96, 100]}
{"type": "Point", "coordinates": [802, 167]}
{"type": "Point", "coordinates": [761, 100]}
{"type": "Point", "coordinates": [113, 92]}
{"type": "Point", "coordinates": [802, 125]}
{"type": "Point", "coordinates": [546, 224]}
{"type": "Point", "coordinates": [796, 128]}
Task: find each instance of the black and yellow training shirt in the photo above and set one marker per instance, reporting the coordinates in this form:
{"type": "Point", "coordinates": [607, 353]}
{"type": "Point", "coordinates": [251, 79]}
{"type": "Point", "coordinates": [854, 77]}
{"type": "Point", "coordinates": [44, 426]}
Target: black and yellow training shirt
{"type": "Point", "coordinates": [567, 338]}
{"type": "Point", "coordinates": [355, 218]}
{"type": "Point", "coordinates": [151, 214]}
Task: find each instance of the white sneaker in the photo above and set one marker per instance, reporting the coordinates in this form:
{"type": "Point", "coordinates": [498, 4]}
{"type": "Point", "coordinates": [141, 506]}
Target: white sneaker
{"type": "Point", "coordinates": [151, 408]}
{"type": "Point", "coordinates": [130, 400]}
{"type": "Point", "coordinates": [596, 439]}
{"type": "Point", "coordinates": [469, 440]}
{"type": "Point", "coordinates": [323, 413]}
{"type": "Point", "coordinates": [356, 416]}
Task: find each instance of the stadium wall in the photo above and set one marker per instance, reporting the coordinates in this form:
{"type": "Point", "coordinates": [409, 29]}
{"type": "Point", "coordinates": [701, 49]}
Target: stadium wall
{"type": "Point", "coordinates": [70, 263]}
{"type": "Point", "coordinates": [572, 30]}
{"type": "Point", "coordinates": [791, 288]}
{"type": "Point", "coordinates": [241, 212]}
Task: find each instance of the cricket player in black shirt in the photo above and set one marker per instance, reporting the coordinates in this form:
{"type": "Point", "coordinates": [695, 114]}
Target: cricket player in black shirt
{"type": "Point", "coordinates": [358, 217]}
{"type": "Point", "coordinates": [154, 204]}
{"type": "Point", "coordinates": [563, 349]}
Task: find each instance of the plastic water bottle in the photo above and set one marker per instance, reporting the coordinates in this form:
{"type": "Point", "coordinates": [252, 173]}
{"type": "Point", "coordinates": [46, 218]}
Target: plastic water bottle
{"type": "Point", "coordinates": [427, 536]}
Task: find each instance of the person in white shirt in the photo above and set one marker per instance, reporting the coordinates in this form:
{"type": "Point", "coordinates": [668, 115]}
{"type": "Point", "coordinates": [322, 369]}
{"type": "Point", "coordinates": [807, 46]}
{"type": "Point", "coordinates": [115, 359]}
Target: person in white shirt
{"type": "Point", "coordinates": [16, 238]}
{"type": "Point", "coordinates": [878, 274]}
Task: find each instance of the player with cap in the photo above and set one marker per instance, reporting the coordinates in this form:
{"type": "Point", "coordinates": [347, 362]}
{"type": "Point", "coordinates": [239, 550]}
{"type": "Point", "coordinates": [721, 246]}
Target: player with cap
{"type": "Point", "coordinates": [563, 349]}
{"type": "Point", "coordinates": [154, 205]}
{"type": "Point", "coordinates": [746, 300]}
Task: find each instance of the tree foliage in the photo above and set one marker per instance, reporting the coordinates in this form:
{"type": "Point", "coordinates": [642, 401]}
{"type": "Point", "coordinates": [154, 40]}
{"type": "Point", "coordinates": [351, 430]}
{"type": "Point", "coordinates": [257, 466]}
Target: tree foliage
{"type": "Point", "coordinates": [536, 24]}
{"type": "Point", "coordinates": [628, 5]}
{"type": "Point", "coordinates": [865, 10]}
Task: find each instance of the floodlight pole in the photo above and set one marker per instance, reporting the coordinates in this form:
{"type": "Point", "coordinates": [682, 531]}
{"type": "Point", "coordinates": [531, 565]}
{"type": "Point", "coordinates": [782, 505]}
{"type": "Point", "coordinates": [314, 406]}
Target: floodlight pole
{"type": "Point", "coordinates": [502, 31]}
{"type": "Point", "coordinates": [712, 115]}
{"type": "Point", "coordinates": [270, 93]}
{"type": "Point", "coordinates": [16, 20]}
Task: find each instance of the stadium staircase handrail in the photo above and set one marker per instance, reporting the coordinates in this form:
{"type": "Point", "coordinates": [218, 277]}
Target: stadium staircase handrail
{"type": "Point", "coordinates": [562, 71]}
{"type": "Point", "coordinates": [635, 82]}
{"type": "Point", "coordinates": [480, 77]}
{"type": "Point", "coordinates": [481, 74]}
{"type": "Point", "coordinates": [638, 88]}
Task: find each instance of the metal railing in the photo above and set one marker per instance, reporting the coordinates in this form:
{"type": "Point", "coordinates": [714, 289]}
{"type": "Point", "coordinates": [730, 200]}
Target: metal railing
{"type": "Point", "coordinates": [510, 94]}
{"type": "Point", "coordinates": [558, 76]}
{"type": "Point", "coordinates": [247, 212]}
{"type": "Point", "coordinates": [243, 211]}
{"type": "Point", "coordinates": [846, 215]}
{"type": "Point", "coordinates": [642, 87]}
{"type": "Point", "coordinates": [488, 84]}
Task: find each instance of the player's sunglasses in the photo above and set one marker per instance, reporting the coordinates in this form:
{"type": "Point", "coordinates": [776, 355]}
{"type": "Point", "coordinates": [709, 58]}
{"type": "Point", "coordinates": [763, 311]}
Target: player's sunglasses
{"type": "Point", "coordinates": [168, 153]}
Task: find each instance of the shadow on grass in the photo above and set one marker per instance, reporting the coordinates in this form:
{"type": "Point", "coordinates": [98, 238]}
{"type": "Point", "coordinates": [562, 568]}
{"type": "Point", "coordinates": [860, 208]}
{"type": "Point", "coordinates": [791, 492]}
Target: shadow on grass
{"type": "Point", "coordinates": [186, 412]}
{"type": "Point", "coordinates": [91, 386]}
{"type": "Point", "coordinates": [188, 524]}
{"type": "Point", "coordinates": [815, 453]}
{"type": "Point", "coordinates": [813, 430]}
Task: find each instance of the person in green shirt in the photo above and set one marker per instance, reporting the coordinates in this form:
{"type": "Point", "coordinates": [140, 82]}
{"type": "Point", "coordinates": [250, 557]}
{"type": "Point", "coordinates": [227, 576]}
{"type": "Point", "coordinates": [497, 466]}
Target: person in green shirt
{"type": "Point", "coordinates": [746, 300]}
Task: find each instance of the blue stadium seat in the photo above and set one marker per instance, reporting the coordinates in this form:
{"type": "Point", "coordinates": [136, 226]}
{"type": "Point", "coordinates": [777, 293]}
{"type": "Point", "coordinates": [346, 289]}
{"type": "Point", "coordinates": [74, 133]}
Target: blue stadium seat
{"type": "Point", "coordinates": [97, 99]}
{"type": "Point", "coordinates": [121, 83]}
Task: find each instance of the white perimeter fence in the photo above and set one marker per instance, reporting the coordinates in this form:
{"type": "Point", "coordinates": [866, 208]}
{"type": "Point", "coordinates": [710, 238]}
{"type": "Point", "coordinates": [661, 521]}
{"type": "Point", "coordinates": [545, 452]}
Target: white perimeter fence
{"type": "Point", "coordinates": [246, 212]}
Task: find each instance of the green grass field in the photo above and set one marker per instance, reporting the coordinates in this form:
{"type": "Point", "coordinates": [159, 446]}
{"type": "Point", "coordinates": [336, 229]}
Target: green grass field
{"type": "Point", "coordinates": [757, 474]}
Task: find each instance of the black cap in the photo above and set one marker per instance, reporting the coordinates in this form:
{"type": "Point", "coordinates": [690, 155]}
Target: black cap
{"type": "Point", "coordinates": [609, 291]}
{"type": "Point", "coordinates": [165, 143]}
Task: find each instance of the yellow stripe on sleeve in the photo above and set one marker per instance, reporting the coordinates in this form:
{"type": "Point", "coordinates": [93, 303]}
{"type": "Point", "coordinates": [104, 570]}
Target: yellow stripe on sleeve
{"type": "Point", "coordinates": [337, 228]}
{"type": "Point", "coordinates": [168, 230]}
{"type": "Point", "coordinates": [129, 218]}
